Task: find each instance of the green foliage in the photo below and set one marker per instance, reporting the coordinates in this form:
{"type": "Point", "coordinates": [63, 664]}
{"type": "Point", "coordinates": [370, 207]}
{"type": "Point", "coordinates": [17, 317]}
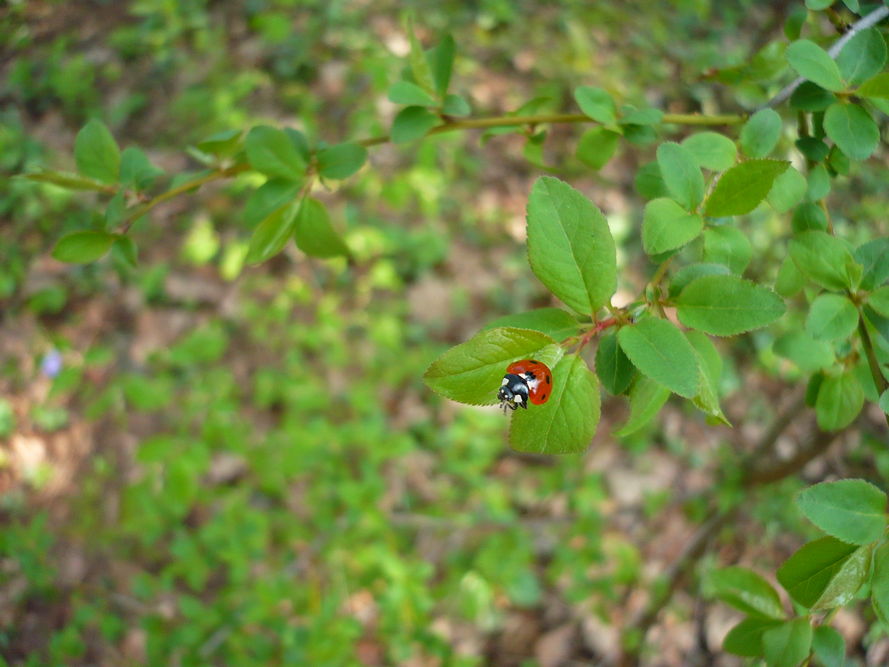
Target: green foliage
{"type": "Point", "coordinates": [681, 174]}
{"type": "Point", "coordinates": [660, 351]}
{"type": "Point", "coordinates": [271, 151]}
{"type": "Point", "coordinates": [741, 188]}
{"type": "Point", "coordinates": [96, 153]}
{"type": "Point", "coordinates": [727, 305]}
{"type": "Point", "coordinates": [813, 63]}
{"type": "Point", "coordinates": [83, 247]}
{"type": "Point", "coordinates": [748, 592]}
{"type": "Point", "coordinates": [595, 103]}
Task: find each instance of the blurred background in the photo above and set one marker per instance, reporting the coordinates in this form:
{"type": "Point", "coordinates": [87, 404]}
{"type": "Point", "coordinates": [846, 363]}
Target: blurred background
{"type": "Point", "coordinates": [207, 464]}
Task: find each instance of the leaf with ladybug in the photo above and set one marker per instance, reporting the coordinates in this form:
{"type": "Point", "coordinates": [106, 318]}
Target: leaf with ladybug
{"type": "Point", "coordinates": [567, 421]}
{"type": "Point", "coordinates": [472, 372]}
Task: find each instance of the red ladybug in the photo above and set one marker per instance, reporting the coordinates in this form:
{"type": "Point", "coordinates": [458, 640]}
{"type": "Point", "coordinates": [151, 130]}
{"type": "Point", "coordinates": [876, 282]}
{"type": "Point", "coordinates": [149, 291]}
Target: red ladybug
{"type": "Point", "coordinates": [525, 380]}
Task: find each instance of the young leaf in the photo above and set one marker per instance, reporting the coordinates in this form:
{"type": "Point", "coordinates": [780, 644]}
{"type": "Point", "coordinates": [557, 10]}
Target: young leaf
{"type": "Point", "coordinates": [82, 247]}
{"type": "Point", "coordinates": [874, 259]}
{"type": "Point", "coordinates": [420, 67]}
{"type": "Point", "coordinates": [411, 123]}
{"type": "Point", "coordinates": [96, 152]}
{"type": "Point", "coordinates": [788, 644]}
{"type": "Point", "coordinates": [126, 248]}
{"type": "Point", "coordinates": [267, 198]}
{"type": "Point", "coordinates": [852, 129]}
{"type": "Point", "coordinates": [863, 56]}
{"type": "Point", "coordinates": [554, 322]}
{"type": "Point", "coordinates": [829, 646]}
{"type": "Point", "coordinates": [630, 115]}
{"type": "Point", "coordinates": [851, 510]}
{"type": "Point", "coordinates": [790, 280]}
{"type": "Point", "coordinates": [341, 161]}
{"type": "Point", "coordinates": [877, 87]}
{"type": "Point", "coordinates": [761, 132]}
{"type": "Point", "coordinates": [681, 174]}
{"type": "Point", "coordinates": [64, 180]}
{"type": "Point", "coordinates": [711, 150]}
{"type": "Point", "coordinates": [271, 152]}
{"type": "Point", "coordinates": [808, 572]}
{"type": "Point", "coordinates": [741, 188]}
{"type": "Point", "coordinates": [455, 105]}
{"type": "Point", "coordinates": [745, 638]}
{"type": "Point", "coordinates": [646, 399]}
{"type": "Point", "coordinates": [272, 234]}
{"type": "Point", "coordinates": [831, 316]}
{"type": "Point", "coordinates": [615, 371]}
{"type": "Point", "coordinates": [660, 351]}
{"type": "Point", "coordinates": [405, 92]}
{"type": "Point", "coordinates": [136, 171]}
{"type": "Point", "coordinates": [441, 60]}
{"type": "Point", "coordinates": [808, 217]}
{"type": "Point", "coordinates": [746, 591]}
{"type": "Point", "coordinates": [222, 143]}
{"type": "Point", "coordinates": [667, 226]}
{"type": "Point", "coordinates": [727, 305]}
{"type": "Point", "coordinates": [596, 147]}
{"type": "Point", "coordinates": [787, 190]}
{"type": "Point", "coordinates": [313, 232]}
{"type": "Point", "coordinates": [595, 103]}
{"type": "Point", "coordinates": [809, 354]}
{"type": "Point", "coordinates": [813, 63]}
{"type": "Point", "coordinates": [471, 372]}
{"type": "Point", "coordinates": [710, 365]}
{"type": "Point", "coordinates": [840, 399]}
{"type": "Point", "coordinates": [570, 247]}
{"type": "Point", "coordinates": [566, 423]}
{"type": "Point", "coordinates": [826, 260]}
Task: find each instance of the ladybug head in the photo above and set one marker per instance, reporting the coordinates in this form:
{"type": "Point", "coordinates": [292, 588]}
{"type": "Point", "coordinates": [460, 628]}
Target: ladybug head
{"type": "Point", "coordinates": [513, 392]}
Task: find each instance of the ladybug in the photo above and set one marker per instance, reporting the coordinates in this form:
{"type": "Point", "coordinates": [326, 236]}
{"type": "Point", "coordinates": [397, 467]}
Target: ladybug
{"type": "Point", "coordinates": [525, 380]}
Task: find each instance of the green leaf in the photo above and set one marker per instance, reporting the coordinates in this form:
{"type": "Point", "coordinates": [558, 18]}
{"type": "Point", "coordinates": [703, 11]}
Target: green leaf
{"type": "Point", "coordinates": [852, 129]}
{"type": "Point", "coordinates": [96, 152]}
{"type": "Point", "coordinates": [808, 217]}
{"type": "Point", "coordinates": [879, 300]}
{"type": "Point", "coordinates": [614, 369]}
{"type": "Point", "coordinates": [64, 180]}
{"type": "Point", "coordinates": [471, 372]}
{"type": "Point", "coordinates": [660, 351]}
{"type": "Point", "coordinates": [877, 87]}
{"type": "Point", "coordinates": [790, 280]}
{"type": "Point", "coordinates": [597, 146]}
{"type": "Point", "coordinates": [813, 63]}
{"type": "Point", "coordinates": [596, 103]}
{"type": "Point", "coordinates": [455, 105]}
{"type": "Point", "coordinates": [809, 97]}
{"type": "Point", "coordinates": [667, 226]}
{"type": "Point", "coordinates": [831, 316]}
{"type": "Point", "coordinates": [136, 171]}
{"type": "Point", "coordinates": [880, 583]}
{"type": "Point", "coordinates": [412, 123]}
{"type": "Point", "coordinates": [341, 161]}
{"type": "Point", "coordinates": [222, 143]}
{"type": "Point", "coordinates": [693, 271]}
{"type": "Point", "coordinates": [745, 638]}
{"type": "Point", "coordinates": [710, 365]}
{"type": "Point", "coordinates": [727, 305]}
{"type": "Point", "coordinates": [884, 402]}
{"type": "Point", "coordinates": [271, 152]}
{"type": "Point", "coordinates": [819, 183]}
{"type": "Point", "coordinates": [82, 247]}
{"type": "Point", "coordinates": [554, 322]}
{"type": "Point", "coordinates": [826, 260]}
{"type": "Point", "coordinates": [761, 132]}
{"type": "Point", "coordinates": [874, 259]}
{"type": "Point", "coordinates": [405, 92]}
{"type": "Point", "coordinates": [813, 149]}
{"type": "Point", "coordinates": [570, 247]}
{"type": "Point", "coordinates": [788, 644]}
{"type": "Point", "coordinates": [681, 174]}
{"type": "Point", "coordinates": [829, 646]}
{"type": "Point", "coordinates": [127, 250]}
{"type": "Point", "coordinates": [851, 510]}
{"type": "Point", "coordinates": [271, 235]}
{"type": "Point", "coordinates": [267, 198]}
{"type": "Point", "coordinates": [743, 187]}
{"type": "Point", "coordinates": [441, 61]}
{"type": "Point", "coordinates": [746, 591]}
{"type": "Point", "coordinates": [840, 399]}
{"type": "Point", "coordinates": [420, 68]}
{"type": "Point", "coordinates": [818, 5]}
{"type": "Point", "coordinates": [711, 150]}
{"type": "Point", "coordinates": [863, 56]}
{"type": "Point", "coordinates": [787, 191]}
{"type": "Point", "coordinates": [313, 232]}
{"type": "Point", "coordinates": [808, 354]}
{"type": "Point", "coordinates": [566, 423]}
{"type": "Point", "coordinates": [808, 572]}
{"type": "Point", "coordinates": [633, 116]}
{"type": "Point", "coordinates": [646, 399]}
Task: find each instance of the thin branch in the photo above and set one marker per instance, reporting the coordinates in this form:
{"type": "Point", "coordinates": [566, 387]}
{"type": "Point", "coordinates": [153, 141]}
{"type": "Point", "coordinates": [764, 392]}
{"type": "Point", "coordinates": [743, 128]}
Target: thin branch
{"type": "Point", "coordinates": [862, 24]}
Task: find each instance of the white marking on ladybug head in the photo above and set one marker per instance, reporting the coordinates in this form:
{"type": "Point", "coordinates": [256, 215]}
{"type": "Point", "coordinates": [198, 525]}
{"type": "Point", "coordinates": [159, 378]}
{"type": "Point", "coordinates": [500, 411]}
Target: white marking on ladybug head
{"type": "Point", "coordinates": [518, 398]}
{"type": "Point", "coordinates": [504, 382]}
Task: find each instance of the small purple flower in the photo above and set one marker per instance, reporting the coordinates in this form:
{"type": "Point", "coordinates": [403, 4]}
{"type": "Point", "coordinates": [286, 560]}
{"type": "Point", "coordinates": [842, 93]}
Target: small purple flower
{"type": "Point", "coordinates": [51, 365]}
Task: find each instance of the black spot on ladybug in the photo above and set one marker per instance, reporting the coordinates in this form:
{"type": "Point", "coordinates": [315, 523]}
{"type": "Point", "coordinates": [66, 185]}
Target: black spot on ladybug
{"type": "Point", "coordinates": [548, 380]}
{"type": "Point", "coordinates": [533, 362]}
{"type": "Point", "coordinates": [543, 397]}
